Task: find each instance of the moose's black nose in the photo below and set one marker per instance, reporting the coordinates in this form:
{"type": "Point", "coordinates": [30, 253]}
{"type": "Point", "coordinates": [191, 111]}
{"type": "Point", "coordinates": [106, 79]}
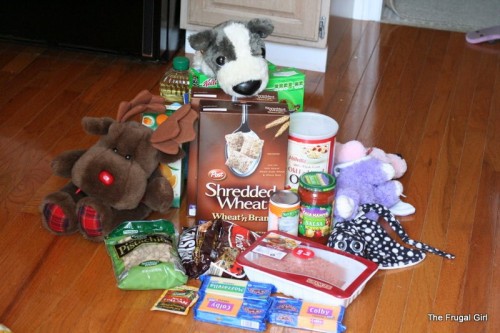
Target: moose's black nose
{"type": "Point", "coordinates": [247, 88]}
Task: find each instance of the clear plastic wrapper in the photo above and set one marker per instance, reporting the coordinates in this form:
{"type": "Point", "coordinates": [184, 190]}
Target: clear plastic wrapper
{"type": "Point", "coordinates": [212, 248]}
{"type": "Point", "coordinates": [236, 288]}
{"type": "Point", "coordinates": [297, 313]}
{"type": "Point", "coordinates": [248, 314]}
{"type": "Point", "coordinates": [306, 270]}
{"type": "Point", "coordinates": [144, 255]}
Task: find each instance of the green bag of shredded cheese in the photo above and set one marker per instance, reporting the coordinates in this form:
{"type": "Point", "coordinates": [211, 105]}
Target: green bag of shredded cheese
{"type": "Point", "coordinates": [144, 255]}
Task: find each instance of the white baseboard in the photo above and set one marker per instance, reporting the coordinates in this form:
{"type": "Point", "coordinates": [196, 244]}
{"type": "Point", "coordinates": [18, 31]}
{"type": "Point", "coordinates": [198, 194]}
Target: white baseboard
{"type": "Point", "coordinates": [306, 58]}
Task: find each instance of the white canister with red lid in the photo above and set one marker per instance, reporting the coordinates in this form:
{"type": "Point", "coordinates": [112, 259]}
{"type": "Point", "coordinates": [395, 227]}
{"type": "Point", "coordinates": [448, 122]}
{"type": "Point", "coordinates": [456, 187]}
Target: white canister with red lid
{"type": "Point", "coordinates": [311, 145]}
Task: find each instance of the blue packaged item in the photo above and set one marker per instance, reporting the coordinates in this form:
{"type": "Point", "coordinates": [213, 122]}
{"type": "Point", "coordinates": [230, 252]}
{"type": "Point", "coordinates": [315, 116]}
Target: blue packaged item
{"type": "Point", "coordinates": [239, 289]}
{"type": "Point", "coordinates": [297, 313]}
{"type": "Point", "coordinates": [241, 313]}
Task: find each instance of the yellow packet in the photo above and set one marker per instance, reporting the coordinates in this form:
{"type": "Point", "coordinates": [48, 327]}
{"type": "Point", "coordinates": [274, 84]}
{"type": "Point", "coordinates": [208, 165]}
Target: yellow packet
{"type": "Point", "coordinates": [177, 300]}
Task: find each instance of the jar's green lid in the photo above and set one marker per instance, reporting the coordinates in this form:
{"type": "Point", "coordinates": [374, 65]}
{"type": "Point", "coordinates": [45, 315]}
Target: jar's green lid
{"type": "Point", "coordinates": [180, 63]}
{"type": "Point", "coordinates": [317, 181]}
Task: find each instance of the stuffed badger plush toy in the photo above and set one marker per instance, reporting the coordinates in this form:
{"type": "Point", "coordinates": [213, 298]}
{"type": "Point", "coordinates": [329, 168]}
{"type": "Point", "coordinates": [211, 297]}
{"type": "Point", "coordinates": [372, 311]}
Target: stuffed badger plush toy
{"type": "Point", "coordinates": [233, 52]}
{"type": "Point", "coordinates": [118, 178]}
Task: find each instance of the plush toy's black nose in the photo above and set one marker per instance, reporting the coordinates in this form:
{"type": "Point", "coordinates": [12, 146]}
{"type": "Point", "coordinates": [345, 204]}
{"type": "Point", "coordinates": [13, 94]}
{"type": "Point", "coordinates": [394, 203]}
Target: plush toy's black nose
{"type": "Point", "coordinates": [247, 88]}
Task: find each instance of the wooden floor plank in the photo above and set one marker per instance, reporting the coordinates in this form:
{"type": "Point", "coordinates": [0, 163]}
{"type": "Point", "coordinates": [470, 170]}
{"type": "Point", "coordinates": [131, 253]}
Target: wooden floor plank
{"type": "Point", "coordinates": [365, 91]}
{"type": "Point", "coordinates": [337, 64]}
{"type": "Point", "coordinates": [481, 242]}
{"type": "Point", "coordinates": [492, 205]}
{"type": "Point", "coordinates": [401, 50]}
{"type": "Point", "coordinates": [482, 279]}
{"type": "Point", "coordinates": [349, 85]}
{"type": "Point", "coordinates": [467, 140]}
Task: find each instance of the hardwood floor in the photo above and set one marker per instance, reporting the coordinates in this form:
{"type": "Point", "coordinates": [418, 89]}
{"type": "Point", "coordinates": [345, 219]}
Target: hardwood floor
{"type": "Point", "coordinates": [426, 94]}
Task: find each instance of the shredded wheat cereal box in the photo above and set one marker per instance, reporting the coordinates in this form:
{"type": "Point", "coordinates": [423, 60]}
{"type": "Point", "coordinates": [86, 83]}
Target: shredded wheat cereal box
{"type": "Point", "coordinates": [213, 94]}
{"type": "Point", "coordinates": [242, 150]}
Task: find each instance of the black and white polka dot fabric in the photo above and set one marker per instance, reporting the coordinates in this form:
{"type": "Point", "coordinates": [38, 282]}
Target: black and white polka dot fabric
{"type": "Point", "coordinates": [367, 238]}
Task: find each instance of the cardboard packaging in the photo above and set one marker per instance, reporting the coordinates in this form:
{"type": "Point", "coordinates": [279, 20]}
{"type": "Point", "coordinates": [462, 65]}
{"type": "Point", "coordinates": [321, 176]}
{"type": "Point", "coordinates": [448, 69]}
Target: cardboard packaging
{"type": "Point", "coordinates": [217, 94]}
{"type": "Point", "coordinates": [297, 313]}
{"type": "Point", "coordinates": [240, 162]}
{"type": "Point", "coordinates": [287, 82]}
{"type": "Point", "coordinates": [200, 79]}
{"type": "Point", "coordinates": [290, 84]}
{"type": "Point", "coordinates": [175, 172]}
{"type": "Point", "coordinates": [213, 94]}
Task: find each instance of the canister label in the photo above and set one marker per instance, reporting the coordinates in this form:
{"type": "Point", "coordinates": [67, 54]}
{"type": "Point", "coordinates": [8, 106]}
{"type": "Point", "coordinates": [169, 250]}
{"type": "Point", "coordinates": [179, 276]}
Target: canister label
{"type": "Point", "coordinates": [284, 207]}
{"type": "Point", "coordinates": [307, 155]}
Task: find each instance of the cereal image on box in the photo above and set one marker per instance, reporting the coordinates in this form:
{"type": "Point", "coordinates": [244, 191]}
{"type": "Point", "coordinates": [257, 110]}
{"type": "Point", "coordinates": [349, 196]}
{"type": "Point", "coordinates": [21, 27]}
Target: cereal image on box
{"type": "Point", "coordinates": [252, 146]}
{"type": "Point", "coordinates": [243, 147]}
{"type": "Point", "coordinates": [244, 151]}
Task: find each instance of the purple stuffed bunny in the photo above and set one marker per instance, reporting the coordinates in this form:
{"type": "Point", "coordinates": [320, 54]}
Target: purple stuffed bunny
{"type": "Point", "coordinates": [364, 179]}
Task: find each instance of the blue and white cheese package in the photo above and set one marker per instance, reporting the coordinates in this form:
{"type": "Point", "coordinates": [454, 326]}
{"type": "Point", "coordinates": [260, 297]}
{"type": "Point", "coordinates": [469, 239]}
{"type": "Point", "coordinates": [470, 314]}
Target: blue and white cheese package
{"type": "Point", "coordinates": [297, 313]}
{"type": "Point", "coordinates": [239, 289]}
{"type": "Point", "coordinates": [248, 314]}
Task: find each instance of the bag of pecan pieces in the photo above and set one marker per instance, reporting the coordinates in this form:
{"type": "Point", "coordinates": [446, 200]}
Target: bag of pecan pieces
{"type": "Point", "coordinates": [144, 255]}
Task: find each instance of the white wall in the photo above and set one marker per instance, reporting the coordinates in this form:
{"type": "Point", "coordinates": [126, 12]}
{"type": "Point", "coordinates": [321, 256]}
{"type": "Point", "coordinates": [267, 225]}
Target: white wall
{"type": "Point", "coordinates": [368, 10]}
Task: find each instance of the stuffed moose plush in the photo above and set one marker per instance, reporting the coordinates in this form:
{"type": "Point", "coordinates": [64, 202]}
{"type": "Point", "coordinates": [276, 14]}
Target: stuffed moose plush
{"type": "Point", "coordinates": [117, 179]}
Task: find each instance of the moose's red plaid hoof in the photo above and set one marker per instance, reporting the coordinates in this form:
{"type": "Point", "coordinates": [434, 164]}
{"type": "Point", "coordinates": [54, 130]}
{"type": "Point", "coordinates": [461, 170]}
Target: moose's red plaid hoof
{"type": "Point", "coordinates": [90, 221]}
{"type": "Point", "coordinates": [56, 219]}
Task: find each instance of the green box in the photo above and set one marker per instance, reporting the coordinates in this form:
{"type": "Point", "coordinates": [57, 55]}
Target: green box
{"type": "Point", "coordinates": [287, 81]}
{"type": "Point", "coordinates": [290, 84]}
{"type": "Point", "coordinates": [199, 79]}
{"type": "Point", "coordinates": [175, 172]}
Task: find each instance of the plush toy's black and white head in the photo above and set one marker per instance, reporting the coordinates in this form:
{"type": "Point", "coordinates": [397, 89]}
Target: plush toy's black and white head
{"type": "Point", "coordinates": [234, 53]}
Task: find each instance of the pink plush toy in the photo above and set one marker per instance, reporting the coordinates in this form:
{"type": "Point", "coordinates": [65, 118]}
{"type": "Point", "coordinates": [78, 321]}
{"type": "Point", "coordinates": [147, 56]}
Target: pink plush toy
{"type": "Point", "coordinates": [366, 176]}
{"type": "Point", "coordinates": [397, 162]}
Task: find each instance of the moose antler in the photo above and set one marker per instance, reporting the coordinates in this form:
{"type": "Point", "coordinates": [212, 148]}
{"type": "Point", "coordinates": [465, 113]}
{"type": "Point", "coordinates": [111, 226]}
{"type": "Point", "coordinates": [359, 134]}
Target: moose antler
{"type": "Point", "coordinates": [144, 101]}
{"type": "Point", "coordinates": [177, 129]}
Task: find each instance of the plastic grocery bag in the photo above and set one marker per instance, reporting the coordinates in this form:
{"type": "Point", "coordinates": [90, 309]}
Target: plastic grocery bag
{"type": "Point", "coordinates": [144, 255]}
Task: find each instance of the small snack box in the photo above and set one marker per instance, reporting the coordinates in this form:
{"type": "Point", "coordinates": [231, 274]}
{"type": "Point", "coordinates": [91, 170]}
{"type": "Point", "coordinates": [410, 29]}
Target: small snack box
{"type": "Point", "coordinates": [297, 313]}
{"type": "Point", "coordinates": [307, 270]}
{"type": "Point", "coordinates": [289, 82]}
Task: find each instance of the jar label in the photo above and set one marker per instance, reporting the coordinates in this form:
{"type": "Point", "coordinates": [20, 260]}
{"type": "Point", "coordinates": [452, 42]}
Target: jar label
{"type": "Point", "coordinates": [315, 220]}
{"type": "Point", "coordinates": [307, 155]}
